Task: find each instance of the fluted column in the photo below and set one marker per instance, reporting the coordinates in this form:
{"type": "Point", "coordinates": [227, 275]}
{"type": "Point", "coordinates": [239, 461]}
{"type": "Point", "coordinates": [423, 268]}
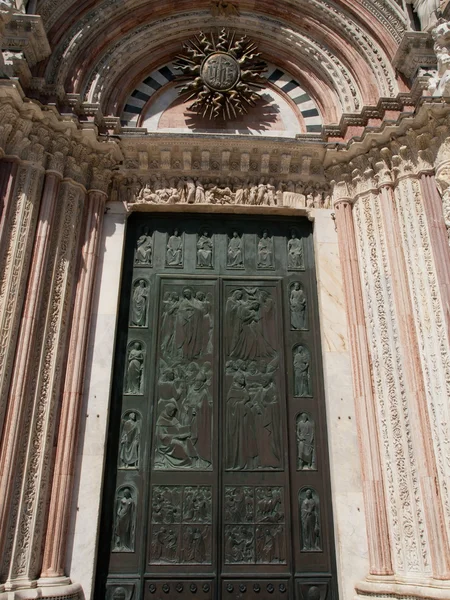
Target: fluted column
{"type": "Point", "coordinates": [374, 494]}
{"type": "Point", "coordinates": [18, 399]}
{"type": "Point", "coordinates": [426, 466]}
{"type": "Point", "coordinates": [61, 496]}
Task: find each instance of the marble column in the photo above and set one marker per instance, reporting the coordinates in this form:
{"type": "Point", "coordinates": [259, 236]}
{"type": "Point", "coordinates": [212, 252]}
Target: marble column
{"type": "Point", "coordinates": [439, 238]}
{"type": "Point", "coordinates": [61, 497]}
{"type": "Point", "coordinates": [415, 389]}
{"type": "Point", "coordinates": [26, 341]}
{"type": "Point", "coordinates": [34, 461]}
{"type": "Point", "coordinates": [15, 259]}
{"type": "Point", "coordinates": [374, 494]}
{"type": "Point", "coordinates": [8, 169]}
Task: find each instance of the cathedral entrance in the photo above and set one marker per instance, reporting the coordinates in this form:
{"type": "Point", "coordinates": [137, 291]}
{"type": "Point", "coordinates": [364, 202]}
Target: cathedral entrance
{"type": "Point", "coordinates": [217, 481]}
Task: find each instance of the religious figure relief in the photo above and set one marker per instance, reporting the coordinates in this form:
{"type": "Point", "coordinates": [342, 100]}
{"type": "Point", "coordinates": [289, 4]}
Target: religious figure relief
{"type": "Point", "coordinates": [124, 530]}
{"type": "Point", "coordinates": [265, 258]}
{"type": "Point", "coordinates": [184, 440]}
{"type": "Point", "coordinates": [235, 252]}
{"type": "Point", "coordinates": [270, 545]}
{"type": "Point", "coordinates": [295, 259]}
{"type": "Point", "coordinates": [302, 374]}
{"type": "Point", "coordinates": [120, 592]}
{"type": "Point", "coordinates": [247, 313]}
{"type": "Point", "coordinates": [253, 424]}
{"type": "Point", "coordinates": [186, 325]}
{"type": "Point", "coordinates": [182, 516]}
{"type": "Point", "coordinates": [239, 504]}
{"type": "Point", "coordinates": [306, 443]}
{"type": "Point", "coordinates": [197, 504]}
{"type": "Point", "coordinates": [269, 505]}
{"type": "Point", "coordinates": [143, 255]}
{"type": "Point", "coordinates": [130, 439]}
{"type": "Point", "coordinates": [205, 249]}
{"type": "Point", "coordinates": [298, 307]}
{"type": "Point", "coordinates": [165, 546]}
{"type": "Point", "coordinates": [134, 369]}
{"type": "Point", "coordinates": [196, 545]}
{"type": "Point", "coordinates": [139, 302]}
{"type": "Point", "coordinates": [310, 520]}
{"type": "Point", "coordinates": [174, 251]}
{"type": "Point", "coordinates": [239, 544]}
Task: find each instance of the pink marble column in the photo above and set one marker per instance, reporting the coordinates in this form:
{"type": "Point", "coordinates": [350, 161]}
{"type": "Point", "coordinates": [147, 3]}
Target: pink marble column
{"type": "Point", "coordinates": [432, 203]}
{"type": "Point", "coordinates": [17, 398]}
{"type": "Point", "coordinates": [373, 487]}
{"type": "Point", "coordinates": [61, 495]}
{"type": "Point", "coordinates": [432, 502]}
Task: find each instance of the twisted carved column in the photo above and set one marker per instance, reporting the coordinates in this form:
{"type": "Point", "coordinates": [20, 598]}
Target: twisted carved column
{"type": "Point", "coordinates": [374, 495]}
{"type": "Point", "coordinates": [61, 497]}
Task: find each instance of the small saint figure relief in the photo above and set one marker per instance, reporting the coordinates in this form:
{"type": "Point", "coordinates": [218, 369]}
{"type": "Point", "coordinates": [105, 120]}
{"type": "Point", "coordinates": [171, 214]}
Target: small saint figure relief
{"type": "Point", "coordinates": [270, 545]}
{"type": "Point", "coordinates": [125, 520]}
{"type": "Point", "coordinates": [310, 520]}
{"type": "Point", "coordinates": [298, 306]}
{"type": "Point", "coordinates": [144, 249]}
{"type": "Point", "coordinates": [295, 257]}
{"type": "Point", "coordinates": [205, 251]}
{"type": "Point", "coordinates": [239, 544]}
{"type": "Point", "coordinates": [196, 545]}
{"type": "Point", "coordinates": [130, 439]}
{"type": "Point", "coordinates": [265, 252]}
{"type": "Point", "coordinates": [235, 252]}
{"type": "Point", "coordinates": [174, 251]}
{"type": "Point", "coordinates": [306, 443]}
{"type": "Point", "coordinates": [302, 375]}
{"type": "Point", "coordinates": [135, 366]}
{"type": "Point", "coordinates": [164, 546]}
{"type": "Point", "coordinates": [138, 310]}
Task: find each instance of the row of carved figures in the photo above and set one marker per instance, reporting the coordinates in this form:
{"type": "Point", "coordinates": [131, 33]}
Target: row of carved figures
{"type": "Point", "coordinates": [258, 537]}
{"type": "Point", "coordinates": [252, 192]}
{"type": "Point", "coordinates": [205, 250]}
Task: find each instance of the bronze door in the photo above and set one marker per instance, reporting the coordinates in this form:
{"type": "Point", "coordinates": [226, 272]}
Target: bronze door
{"type": "Point", "coordinates": [217, 482]}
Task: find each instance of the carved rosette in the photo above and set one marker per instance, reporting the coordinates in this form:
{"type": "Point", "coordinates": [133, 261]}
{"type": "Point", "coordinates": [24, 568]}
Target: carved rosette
{"type": "Point", "coordinates": [222, 74]}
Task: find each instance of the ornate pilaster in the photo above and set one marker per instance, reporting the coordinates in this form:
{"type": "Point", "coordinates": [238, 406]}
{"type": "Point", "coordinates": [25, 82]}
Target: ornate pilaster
{"type": "Point", "coordinates": [17, 245]}
{"type": "Point", "coordinates": [34, 461]}
{"type": "Point", "coordinates": [61, 496]}
{"type": "Point", "coordinates": [374, 495]}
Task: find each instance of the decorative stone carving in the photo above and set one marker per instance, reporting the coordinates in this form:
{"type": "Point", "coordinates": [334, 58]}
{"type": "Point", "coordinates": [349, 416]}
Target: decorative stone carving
{"type": "Point", "coordinates": [310, 520]}
{"type": "Point", "coordinates": [222, 8]}
{"type": "Point", "coordinates": [205, 250]}
{"type": "Point", "coordinates": [295, 259]}
{"type": "Point", "coordinates": [223, 74]}
{"type": "Point", "coordinates": [144, 249]}
{"type": "Point", "coordinates": [235, 252]}
{"type": "Point", "coordinates": [134, 368]}
{"type": "Point", "coordinates": [174, 251]}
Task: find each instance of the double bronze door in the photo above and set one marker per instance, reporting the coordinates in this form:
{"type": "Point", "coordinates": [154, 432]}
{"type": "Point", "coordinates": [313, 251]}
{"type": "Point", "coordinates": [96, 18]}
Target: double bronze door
{"type": "Point", "coordinates": [217, 479]}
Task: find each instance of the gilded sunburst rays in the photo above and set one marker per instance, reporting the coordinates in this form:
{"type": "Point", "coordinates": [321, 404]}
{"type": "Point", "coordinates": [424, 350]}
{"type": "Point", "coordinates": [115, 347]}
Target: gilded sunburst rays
{"type": "Point", "coordinates": [221, 73]}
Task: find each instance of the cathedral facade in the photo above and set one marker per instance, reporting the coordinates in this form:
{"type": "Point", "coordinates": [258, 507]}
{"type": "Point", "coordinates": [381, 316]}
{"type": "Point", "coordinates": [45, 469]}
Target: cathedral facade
{"type": "Point", "coordinates": [224, 299]}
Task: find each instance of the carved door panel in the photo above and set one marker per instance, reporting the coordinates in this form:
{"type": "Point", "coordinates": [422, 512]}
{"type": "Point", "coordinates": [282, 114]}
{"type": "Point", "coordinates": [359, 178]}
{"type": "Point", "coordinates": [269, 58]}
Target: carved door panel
{"type": "Point", "coordinates": [217, 482]}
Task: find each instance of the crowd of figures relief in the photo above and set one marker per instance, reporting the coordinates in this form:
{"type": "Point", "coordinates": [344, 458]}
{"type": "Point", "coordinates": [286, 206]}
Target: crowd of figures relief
{"type": "Point", "coordinates": [181, 525]}
{"type": "Point", "coordinates": [184, 405]}
{"type": "Point", "coordinates": [254, 525]}
{"type": "Point", "coordinates": [249, 192]}
{"type": "Point", "coordinates": [253, 399]}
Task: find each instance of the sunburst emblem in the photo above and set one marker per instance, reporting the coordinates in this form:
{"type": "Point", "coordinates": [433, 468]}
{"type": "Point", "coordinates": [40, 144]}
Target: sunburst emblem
{"type": "Point", "coordinates": [222, 73]}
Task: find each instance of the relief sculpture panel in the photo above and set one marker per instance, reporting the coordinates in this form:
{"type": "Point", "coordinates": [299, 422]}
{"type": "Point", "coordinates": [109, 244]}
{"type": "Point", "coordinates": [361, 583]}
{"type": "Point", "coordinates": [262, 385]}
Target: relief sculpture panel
{"type": "Point", "coordinates": [252, 416]}
{"type": "Point", "coordinates": [184, 389]}
{"type": "Point", "coordinates": [143, 255]}
{"type": "Point", "coordinates": [124, 531]}
{"type": "Point", "coordinates": [254, 525]}
{"type": "Point", "coordinates": [205, 250]}
{"type": "Point", "coordinates": [302, 372]}
{"type": "Point", "coordinates": [130, 440]}
{"type": "Point", "coordinates": [295, 257]}
{"type": "Point", "coordinates": [310, 520]}
{"type": "Point", "coordinates": [181, 525]}
{"type": "Point", "coordinates": [139, 303]}
{"type": "Point", "coordinates": [265, 251]}
{"type": "Point", "coordinates": [134, 376]}
{"type": "Point", "coordinates": [298, 307]}
{"type": "Point", "coordinates": [306, 443]}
